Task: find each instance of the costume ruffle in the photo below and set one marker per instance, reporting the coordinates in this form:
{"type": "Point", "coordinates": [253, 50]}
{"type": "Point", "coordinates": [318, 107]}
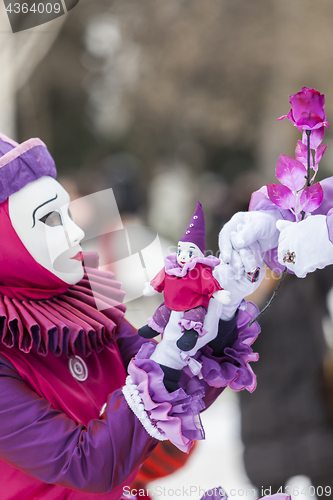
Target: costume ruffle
{"type": "Point", "coordinates": [187, 324]}
{"type": "Point", "coordinates": [155, 326]}
{"type": "Point", "coordinates": [175, 415]}
{"type": "Point", "coordinates": [85, 317]}
{"type": "Point", "coordinates": [233, 369]}
{"type": "Point", "coordinates": [174, 269]}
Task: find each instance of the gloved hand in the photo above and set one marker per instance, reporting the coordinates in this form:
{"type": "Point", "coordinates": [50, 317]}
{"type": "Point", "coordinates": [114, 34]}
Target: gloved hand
{"type": "Point", "coordinates": [238, 288]}
{"type": "Point", "coordinates": [244, 229]}
{"type": "Point", "coordinates": [304, 246]}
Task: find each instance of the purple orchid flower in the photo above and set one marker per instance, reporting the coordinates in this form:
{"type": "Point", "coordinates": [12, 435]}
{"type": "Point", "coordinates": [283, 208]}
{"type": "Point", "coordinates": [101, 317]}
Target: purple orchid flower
{"type": "Point", "coordinates": [291, 193]}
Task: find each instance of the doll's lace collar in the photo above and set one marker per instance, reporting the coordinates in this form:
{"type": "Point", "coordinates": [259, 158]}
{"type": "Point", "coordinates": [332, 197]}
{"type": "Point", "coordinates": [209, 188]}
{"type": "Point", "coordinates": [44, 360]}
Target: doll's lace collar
{"type": "Point", "coordinates": [173, 268]}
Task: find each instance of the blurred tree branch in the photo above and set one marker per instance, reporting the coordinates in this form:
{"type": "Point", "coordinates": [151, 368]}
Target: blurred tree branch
{"type": "Point", "coordinates": [19, 55]}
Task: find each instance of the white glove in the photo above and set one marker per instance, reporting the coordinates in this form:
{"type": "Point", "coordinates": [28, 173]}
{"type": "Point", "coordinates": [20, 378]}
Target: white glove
{"type": "Point", "coordinates": [244, 229]}
{"type": "Point", "coordinates": [306, 244]}
{"type": "Point", "coordinates": [148, 290]}
{"type": "Point", "coordinates": [238, 288]}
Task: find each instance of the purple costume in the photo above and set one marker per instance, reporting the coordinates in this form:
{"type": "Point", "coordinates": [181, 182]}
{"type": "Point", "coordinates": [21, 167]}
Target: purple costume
{"type": "Point", "coordinates": [72, 425]}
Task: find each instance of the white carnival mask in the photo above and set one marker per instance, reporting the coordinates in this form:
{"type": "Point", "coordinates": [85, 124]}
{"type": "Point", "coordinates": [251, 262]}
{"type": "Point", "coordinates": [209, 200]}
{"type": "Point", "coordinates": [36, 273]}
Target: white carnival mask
{"type": "Point", "coordinates": [40, 215]}
{"type": "Point", "coordinates": [186, 251]}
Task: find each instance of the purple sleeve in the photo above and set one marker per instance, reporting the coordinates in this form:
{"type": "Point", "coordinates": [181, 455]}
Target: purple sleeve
{"type": "Point", "coordinates": [327, 203]}
{"type": "Point", "coordinates": [129, 342]}
{"type": "Point", "coordinates": [48, 445]}
{"type": "Point", "coordinates": [326, 207]}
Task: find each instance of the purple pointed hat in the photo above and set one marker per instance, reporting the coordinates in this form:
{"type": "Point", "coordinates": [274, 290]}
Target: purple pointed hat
{"type": "Point", "coordinates": [22, 163]}
{"type": "Point", "coordinates": [195, 232]}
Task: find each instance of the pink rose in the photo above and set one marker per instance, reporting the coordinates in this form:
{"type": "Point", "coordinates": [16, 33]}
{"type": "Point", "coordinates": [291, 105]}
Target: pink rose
{"type": "Point", "coordinates": [307, 110]}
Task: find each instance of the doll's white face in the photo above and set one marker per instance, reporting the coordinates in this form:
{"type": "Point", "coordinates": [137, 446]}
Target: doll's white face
{"type": "Point", "coordinates": [40, 215]}
{"type": "Point", "coordinates": [186, 251]}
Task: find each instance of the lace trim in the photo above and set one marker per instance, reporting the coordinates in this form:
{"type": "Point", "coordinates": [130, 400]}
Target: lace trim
{"type": "Point", "coordinates": [134, 401]}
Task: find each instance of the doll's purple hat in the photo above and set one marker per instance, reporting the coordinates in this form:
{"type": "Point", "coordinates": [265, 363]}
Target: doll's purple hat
{"type": "Point", "coordinates": [22, 163]}
{"type": "Point", "coordinates": [195, 232]}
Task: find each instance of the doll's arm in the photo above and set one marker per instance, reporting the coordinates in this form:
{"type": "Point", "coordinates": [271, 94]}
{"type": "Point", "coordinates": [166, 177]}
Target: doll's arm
{"type": "Point", "coordinates": [148, 290]}
{"type": "Point", "coordinates": [222, 296]}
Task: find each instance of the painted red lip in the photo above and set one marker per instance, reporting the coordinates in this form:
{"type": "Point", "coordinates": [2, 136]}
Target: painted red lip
{"type": "Point", "coordinates": [78, 256]}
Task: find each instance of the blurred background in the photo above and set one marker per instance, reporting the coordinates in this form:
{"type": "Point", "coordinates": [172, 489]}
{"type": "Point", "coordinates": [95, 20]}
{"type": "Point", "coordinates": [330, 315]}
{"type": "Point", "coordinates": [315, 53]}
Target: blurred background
{"type": "Point", "coordinates": [168, 102]}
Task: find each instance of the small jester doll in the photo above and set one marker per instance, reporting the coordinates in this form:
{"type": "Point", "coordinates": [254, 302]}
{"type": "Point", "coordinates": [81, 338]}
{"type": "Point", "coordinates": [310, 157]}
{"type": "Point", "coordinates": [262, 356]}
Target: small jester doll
{"type": "Point", "coordinates": [188, 284]}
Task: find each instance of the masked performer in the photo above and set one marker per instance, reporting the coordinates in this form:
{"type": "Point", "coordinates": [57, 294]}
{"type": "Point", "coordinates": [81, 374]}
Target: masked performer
{"type": "Point", "coordinates": [72, 424]}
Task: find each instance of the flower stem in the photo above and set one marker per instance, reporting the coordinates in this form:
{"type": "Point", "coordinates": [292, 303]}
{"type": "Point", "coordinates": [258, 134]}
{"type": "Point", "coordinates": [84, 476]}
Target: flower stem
{"type": "Point", "coordinates": [308, 133]}
{"type": "Point", "coordinates": [284, 272]}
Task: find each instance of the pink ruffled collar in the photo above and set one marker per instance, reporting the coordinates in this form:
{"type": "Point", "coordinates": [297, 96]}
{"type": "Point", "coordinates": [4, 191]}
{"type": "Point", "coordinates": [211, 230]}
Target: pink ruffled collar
{"type": "Point", "coordinates": [83, 318]}
{"type": "Point", "coordinates": [174, 269]}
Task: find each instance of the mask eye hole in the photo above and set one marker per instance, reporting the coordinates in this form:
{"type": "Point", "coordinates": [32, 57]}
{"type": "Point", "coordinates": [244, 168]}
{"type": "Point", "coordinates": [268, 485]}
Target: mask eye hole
{"type": "Point", "coordinates": [52, 219]}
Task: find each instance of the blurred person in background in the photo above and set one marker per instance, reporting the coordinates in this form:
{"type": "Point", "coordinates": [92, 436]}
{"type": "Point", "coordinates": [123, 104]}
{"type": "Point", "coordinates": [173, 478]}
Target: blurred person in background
{"type": "Point", "coordinates": [287, 428]}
